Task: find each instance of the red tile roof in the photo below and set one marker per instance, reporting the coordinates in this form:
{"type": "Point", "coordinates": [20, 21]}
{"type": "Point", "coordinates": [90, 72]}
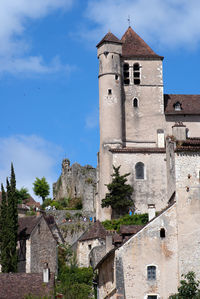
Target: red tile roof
{"type": "Point", "coordinates": [135, 47]}
{"type": "Point", "coordinates": [190, 103]}
{"type": "Point", "coordinates": [96, 231]}
{"type": "Point", "coordinates": [144, 150]}
{"type": "Point", "coordinates": [18, 285]}
{"type": "Point", "coordinates": [110, 38]}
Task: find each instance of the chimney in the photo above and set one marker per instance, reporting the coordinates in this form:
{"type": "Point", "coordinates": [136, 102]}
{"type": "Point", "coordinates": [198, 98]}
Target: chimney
{"type": "Point", "coordinates": [46, 273]}
{"type": "Point", "coordinates": [109, 244]}
{"type": "Point", "coordinates": [179, 131]}
{"type": "Point", "coordinates": [151, 211]}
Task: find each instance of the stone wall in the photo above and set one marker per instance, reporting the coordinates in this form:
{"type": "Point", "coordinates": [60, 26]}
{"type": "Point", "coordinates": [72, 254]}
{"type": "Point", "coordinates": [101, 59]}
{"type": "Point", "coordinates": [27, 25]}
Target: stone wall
{"type": "Point", "coordinates": [77, 181]}
{"type": "Point", "coordinates": [43, 249]}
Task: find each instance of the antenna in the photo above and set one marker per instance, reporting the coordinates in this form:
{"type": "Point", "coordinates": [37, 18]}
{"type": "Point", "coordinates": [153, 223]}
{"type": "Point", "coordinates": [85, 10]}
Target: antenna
{"type": "Point", "coordinates": [129, 21]}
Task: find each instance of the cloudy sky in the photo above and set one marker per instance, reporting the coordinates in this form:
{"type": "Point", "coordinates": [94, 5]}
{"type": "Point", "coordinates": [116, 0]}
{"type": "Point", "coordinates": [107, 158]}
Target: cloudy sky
{"type": "Point", "coordinates": [49, 69]}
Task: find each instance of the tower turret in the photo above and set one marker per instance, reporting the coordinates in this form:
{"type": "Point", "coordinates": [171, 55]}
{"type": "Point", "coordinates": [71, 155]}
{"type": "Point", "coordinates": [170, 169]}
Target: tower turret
{"type": "Point", "coordinates": [110, 112]}
{"type": "Point", "coordinates": [109, 53]}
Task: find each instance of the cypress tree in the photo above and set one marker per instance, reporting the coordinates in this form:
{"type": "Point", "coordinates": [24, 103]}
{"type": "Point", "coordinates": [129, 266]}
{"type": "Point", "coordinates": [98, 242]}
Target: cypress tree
{"type": "Point", "coordinates": [3, 231]}
{"type": "Point", "coordinates": [9, 225]}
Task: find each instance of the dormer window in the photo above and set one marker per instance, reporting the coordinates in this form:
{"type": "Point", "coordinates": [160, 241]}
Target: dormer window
{"type": "Point", "coordinates": [136, 73]}
{"type": "Point", "coordinates": [126, 74]}
{"type": "Point", "coordinates": [177, 106]}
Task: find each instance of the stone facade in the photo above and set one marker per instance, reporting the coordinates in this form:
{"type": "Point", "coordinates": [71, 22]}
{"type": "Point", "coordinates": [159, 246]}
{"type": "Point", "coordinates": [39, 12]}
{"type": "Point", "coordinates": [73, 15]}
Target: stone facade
{"type": "Point", "coordinates": [168, 244]}
{"type": "Point", "coordinates": [136, 117]}
{"type": "Point", "coordinates": [77, 181]}
{"type": "Point", "coordinates": [37, 244]}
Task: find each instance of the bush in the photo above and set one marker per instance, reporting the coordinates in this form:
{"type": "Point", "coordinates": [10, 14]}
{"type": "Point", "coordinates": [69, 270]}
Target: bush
{"type": "Point", "coordinates": [138, 219]}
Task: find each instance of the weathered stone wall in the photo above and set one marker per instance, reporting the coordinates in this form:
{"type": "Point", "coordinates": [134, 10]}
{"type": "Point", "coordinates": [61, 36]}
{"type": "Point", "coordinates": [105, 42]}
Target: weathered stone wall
{"type": "Point", "coordinates": [187, 165]}
{"type": "Point", "coordinates": [75, 226]}
{"type": "Point", "coordinates": [107, 281]}
{"type": "Point", "coordinates": [43, 249]}
{"type": "Point", "coordinates": [77, 181]}
{"type": "Point", "coordinates": [83, 251]}
{"type": "Point", "coordinates": [148, 248]}
{"type": "Point", "coordinates": [153, 188]}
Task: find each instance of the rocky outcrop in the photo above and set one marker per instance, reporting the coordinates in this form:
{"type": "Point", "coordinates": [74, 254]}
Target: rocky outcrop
{"type": "Point", "coordinates": [77, 181]}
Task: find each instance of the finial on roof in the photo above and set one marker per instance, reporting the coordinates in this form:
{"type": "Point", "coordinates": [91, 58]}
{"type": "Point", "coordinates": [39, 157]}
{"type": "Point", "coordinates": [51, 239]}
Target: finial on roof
{"type": "Point", "coordinates": [129, 21]}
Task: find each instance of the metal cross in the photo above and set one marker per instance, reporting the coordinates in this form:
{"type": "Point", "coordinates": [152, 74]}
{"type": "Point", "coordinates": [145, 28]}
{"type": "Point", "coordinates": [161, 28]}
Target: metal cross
{"type": "Point", "coordinates": [129, 21]}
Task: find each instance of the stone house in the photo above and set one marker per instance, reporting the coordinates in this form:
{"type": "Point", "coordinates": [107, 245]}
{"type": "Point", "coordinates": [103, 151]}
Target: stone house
{"type": "Point", "coordinates": [38, 238]}
{"type": "Point", "coordinates": [135, 119]}
{"type": "Point", "coordinates": [149, 264]}
{"type": "Point", "coordinates": [94, 237]}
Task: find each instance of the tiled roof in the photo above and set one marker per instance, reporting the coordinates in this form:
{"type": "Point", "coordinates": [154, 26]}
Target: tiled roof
{"type": "Point", "coordinates": [18, 285]}
{"type": "Point", "coordinates": [130, 229]}
{"type": "Point", "coordinates": [96, 231]}
{"type": "Point", "coordinates": [31, 202]}
{"type": "Point", "coordinates": [142, 150]}
{"type": "Point", "coordinates": [109, 37]}
{"type": "Point", "coordinates": [135, 47]}
{"type": "Point", "coordinates": [27, 224]}
{"type": "Point", "coordinates": [190, 144]}
{"type": "Point", "coordinates": [190, 103]}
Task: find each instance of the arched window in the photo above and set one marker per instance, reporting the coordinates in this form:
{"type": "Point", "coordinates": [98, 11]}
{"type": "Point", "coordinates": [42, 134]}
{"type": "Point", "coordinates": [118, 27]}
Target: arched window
{"type": "Point", "coordinates": [151, 272]}
{"type": "Point", "coordinates": [136, 73]}
{"type": "Point", "coordinates": [135, 103]}
{"type": "Point", "coordinates": [139, 171]}
{"type": "Point", "coordinates": [126, 73]}
{"type": "Point", "coordinates": [162, 233]}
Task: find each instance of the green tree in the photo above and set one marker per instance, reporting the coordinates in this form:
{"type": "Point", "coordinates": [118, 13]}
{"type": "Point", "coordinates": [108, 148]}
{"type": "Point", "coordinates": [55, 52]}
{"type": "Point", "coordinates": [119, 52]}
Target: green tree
{"type": "Point", "coordinates": [41, 188]}
{"type": "Point", "coordinates": [189, 288]}
{"type": "Point", "coordinates": [119, 195]}
{"type": "Point", "coordinates": [22, 194]}
{"type": "Point", "coordinates": [9, 225]}
{"type": "Point", "coordinates": [73, 282]}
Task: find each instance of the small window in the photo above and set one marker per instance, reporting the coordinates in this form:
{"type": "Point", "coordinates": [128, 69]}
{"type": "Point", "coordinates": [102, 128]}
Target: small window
{"type": "Point", "coordinates": [109, 91]}
{"type": "Point", "coordinates": [126, 73]}
{"type": "Point", "coordinates": [116, 77]}
{"type": "Point", "coordinates": [139, 171]}
{"type": "Point", "coordinates": [177, 106]}
{"type": "Point", "coordinates": [135, 103]}
{"type": "Point", "coordinates": [89, 246]}
{"type": "Point", "coordinates": [136, 73]}
{"type": "Point", "coordinates": [151, 272]}
{"type": "Point", "coordinates": [152, 297]}
{"type": "Point", "coordinates": [162, 233]}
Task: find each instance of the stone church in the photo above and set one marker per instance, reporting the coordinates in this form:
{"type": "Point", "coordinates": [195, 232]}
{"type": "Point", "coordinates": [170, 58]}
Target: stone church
{"type": "Point", "coordinates": [136, 117]}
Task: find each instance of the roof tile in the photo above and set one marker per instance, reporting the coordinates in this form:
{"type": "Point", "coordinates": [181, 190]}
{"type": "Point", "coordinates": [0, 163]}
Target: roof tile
{"type": "Point", "coordinates": [190, 103]}
{"type": "Point", "coordinates": [135, 46]}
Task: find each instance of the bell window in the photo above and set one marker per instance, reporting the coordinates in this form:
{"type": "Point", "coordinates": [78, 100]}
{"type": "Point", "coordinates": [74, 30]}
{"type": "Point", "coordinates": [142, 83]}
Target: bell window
{"type": "Point", "coordinates": [177, 106]}
{"type": "Point", "coordinates": [126, 74]}
{"type": "Point", "coordinates": [136, 73]}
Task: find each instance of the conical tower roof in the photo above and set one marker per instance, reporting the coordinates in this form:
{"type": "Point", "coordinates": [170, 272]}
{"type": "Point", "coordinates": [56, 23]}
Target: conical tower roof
{"type": "Point", "coordinates": [135, 47]}
{"type": "Point", "coordinates": [109, 38]}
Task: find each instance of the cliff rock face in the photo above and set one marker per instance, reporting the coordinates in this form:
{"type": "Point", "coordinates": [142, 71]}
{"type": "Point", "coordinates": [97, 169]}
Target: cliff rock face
{"type": "Point", "coordinates": [77, 181]}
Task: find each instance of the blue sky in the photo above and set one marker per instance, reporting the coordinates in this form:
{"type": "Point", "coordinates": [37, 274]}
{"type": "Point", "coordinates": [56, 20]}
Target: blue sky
{"type": "Point", "coordinates": [49, 73]}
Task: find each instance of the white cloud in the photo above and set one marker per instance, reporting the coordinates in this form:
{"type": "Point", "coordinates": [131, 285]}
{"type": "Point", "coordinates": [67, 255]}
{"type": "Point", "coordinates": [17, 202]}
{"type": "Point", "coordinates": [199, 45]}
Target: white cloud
{"type": "Point", "coordinates": [32, 157]}
{"type": "Point", "coordinates": [172, 23]}
{"type": "Point", "coordinates": [92, 119]}
{"type": "Point", "coordinates": [14, 16]}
